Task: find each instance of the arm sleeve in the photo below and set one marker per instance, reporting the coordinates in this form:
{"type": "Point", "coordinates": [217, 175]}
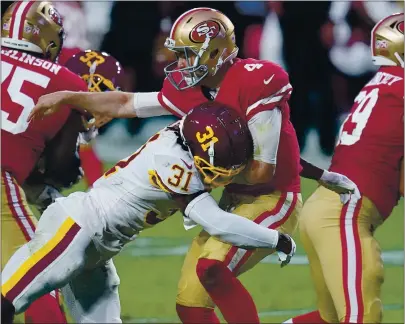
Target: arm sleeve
{"type": "Point", "coordinates": [228, 227]}
{"type": "Point", "coordinates": [310, 171]}
{"type": "Point", "coordinates": [265, 128]}
{"type": "Point", "coordinates": [147, 105]}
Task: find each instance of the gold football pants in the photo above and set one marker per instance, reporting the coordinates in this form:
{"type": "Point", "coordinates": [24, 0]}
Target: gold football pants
{"type": "Point", "coordinates": [17, 221]}
{"type": "Point", "coordinates": [18, 224]}
{"type": "Point", "coordinates": [344, 257]}
{"type": "Point", "coordinates": [277, 211]}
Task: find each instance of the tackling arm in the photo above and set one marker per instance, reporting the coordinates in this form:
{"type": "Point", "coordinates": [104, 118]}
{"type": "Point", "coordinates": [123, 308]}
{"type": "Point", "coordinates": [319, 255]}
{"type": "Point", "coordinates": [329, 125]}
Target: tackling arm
{"type": "Point", "coordinates": [233, 229]}
{"type": "Point", "coordinates": [228, 227]}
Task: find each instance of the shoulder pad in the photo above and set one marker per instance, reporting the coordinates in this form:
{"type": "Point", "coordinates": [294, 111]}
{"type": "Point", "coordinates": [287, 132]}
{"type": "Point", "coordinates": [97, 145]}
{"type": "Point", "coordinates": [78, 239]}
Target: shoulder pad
{"type": "Point", "coordinates": [175, 174]}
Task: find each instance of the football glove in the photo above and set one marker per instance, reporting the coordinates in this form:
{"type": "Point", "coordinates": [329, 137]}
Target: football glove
{"type": "Point", "coordinates": [340, 184]}
{"type": "Point", "coordinates": [285, 248]}
{"type": "Point", "coordinates": [41, 196]}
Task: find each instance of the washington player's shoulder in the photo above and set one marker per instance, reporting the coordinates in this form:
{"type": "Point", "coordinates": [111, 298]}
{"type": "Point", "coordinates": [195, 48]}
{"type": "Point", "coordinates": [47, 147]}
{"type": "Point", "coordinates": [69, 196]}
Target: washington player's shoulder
{"type": "Point", "coordinates": [172, 168]}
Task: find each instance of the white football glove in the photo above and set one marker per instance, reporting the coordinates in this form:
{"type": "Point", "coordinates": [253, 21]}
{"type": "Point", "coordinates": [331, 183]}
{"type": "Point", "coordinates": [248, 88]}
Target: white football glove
{"type": "Point", "coordinates": [340, 184]}
{"type": "Point", "coordinates": [285, 248]}
{"type": "Point", "coordinates": [86, 137]}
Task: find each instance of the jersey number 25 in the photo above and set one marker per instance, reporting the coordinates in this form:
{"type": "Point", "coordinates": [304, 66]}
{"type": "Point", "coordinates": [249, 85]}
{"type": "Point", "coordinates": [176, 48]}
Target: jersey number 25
{"type": "Point", "coordinates": [14, 115]}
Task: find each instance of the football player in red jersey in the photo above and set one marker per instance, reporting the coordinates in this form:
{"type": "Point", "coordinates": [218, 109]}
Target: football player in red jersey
{"type": "Point", "coordinates": [32, 37]}
{"type": "Point", "coordinates": [207, 69]}
{"type": "Point", "coordinates": [344, 256]}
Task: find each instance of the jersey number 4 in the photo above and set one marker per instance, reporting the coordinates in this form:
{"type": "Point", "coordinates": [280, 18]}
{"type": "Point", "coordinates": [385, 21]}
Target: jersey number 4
{"type": "Point", "coordinates": [355, 123]}
{"type": "Point", "coordinates": [14, 117]}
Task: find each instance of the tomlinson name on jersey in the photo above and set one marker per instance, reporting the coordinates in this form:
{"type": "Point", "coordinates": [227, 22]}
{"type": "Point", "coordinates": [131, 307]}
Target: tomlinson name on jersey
{"type": "Point", "coordinates": [32, 60]}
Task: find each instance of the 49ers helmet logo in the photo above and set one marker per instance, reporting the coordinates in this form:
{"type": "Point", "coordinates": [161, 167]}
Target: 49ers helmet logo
{"type": "Point", "coordinates": [400, 27]}
{"type": "Point", "coordinates": [55, 16]}
{"type": "Point", "coordinates": [208, 28]}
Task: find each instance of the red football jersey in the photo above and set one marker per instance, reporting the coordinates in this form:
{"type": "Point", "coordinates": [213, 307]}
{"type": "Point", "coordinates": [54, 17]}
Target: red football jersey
{"type": "Point", "coordinates": [371, 142]}
{"type": "Point", "coordinates": [25, 78]}
{"type": "Point", "coordinates": [250, 86]}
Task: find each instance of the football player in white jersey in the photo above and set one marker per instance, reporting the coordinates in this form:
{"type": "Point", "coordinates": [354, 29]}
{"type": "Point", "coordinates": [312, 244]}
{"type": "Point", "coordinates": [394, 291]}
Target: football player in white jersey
{"type": "Point", "coordinates": [77, 235]}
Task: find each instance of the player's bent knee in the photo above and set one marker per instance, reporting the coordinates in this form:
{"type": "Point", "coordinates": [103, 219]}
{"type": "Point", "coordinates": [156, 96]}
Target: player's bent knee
{"type": "Point", "coordinates": [209, 271]}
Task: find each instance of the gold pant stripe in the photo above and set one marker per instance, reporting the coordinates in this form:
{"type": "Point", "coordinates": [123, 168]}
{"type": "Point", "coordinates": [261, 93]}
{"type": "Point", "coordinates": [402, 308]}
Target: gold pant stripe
{"type": "Point", "coordinates": [270, 219]}
{"type": "Point", "coordinates": [352, 261]}
{"type": "Point", "coordinates": [17, 207]}
{"type": "Point", "coordinates": [38, 256]}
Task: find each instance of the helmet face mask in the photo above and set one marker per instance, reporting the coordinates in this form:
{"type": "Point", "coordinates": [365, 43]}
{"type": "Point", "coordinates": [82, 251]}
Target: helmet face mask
{"type": "Point", "coordinates": [387, 41]}
{"type": "Point", "coordinates": [208, 36]}
{"type": "Point", "coordinates": [101, 72]}
{"type": "Point", "coordinates": [216, 176]}
{"type": "Point", "coordinates": [192, 74]}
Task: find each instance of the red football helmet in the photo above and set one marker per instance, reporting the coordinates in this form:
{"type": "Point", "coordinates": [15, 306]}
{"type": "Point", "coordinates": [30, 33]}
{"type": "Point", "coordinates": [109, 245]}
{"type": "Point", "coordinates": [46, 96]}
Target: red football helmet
{"type": "Point", "coordinates": [101, 71]}
{"type": "Point", "coordinates": [220, 141]}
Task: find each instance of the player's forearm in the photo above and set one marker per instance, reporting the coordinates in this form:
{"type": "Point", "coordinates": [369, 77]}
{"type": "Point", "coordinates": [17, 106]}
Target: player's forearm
{"type": "Point", "coordinates": [114, 104]}
{"type": "Point", "coordinates": [310, 171]}
{"type": "Point", "coordinates": [228, 227]}
{"type": "Point", "coordinates": [258, 172]}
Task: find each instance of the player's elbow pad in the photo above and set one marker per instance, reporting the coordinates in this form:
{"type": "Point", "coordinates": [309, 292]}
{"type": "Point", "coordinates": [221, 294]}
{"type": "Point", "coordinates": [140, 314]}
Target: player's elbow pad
{"type": "Point", "coordinates": [228, 227]}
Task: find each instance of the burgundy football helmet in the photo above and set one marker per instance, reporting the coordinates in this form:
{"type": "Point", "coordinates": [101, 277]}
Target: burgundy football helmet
{"type": "Point", "coordinates": [220, 141]}
{"type": "Point", "coordinates": [101, 71]}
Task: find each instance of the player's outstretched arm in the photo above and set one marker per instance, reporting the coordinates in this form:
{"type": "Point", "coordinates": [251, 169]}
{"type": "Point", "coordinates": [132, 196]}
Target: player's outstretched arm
{"type": "Point", "coordinates": [114, 104]}
{"type": "Point", "coordinates": [237, 230]}
{"type": "Point", "coordinates": [336, 182]}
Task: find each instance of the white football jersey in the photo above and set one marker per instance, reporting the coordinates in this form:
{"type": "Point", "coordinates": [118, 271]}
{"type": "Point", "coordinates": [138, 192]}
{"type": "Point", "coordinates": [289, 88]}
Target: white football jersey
{"type": "Point", "coordinates": [137, 192]}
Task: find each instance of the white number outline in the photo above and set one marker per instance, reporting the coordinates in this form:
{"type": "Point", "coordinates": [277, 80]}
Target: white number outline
{"type": "Point", "coordinates": [18, 77]}
{"type": "Point", "coordinates": [359, 117]}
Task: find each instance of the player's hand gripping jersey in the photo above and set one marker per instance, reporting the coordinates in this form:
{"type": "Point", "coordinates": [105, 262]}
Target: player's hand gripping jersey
{"type": "Point", "coordinates": [250, 86]}
{"type": "Point", "coordinates": [366, 152]}
{"type": "Point", "coordinates": [25, 78]}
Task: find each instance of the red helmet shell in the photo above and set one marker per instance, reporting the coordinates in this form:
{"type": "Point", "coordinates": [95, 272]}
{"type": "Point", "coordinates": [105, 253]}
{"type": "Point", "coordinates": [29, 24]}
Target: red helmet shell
{"type": "Point", "coordinates": [101, 71]}
{"type": "Point", "coordinates": [214, 124]}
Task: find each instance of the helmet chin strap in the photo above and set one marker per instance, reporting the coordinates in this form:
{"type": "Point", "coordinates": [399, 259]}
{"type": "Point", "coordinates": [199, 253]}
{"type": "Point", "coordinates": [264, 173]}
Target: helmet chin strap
{"type": "Point", "coordinates": [211, 153]}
